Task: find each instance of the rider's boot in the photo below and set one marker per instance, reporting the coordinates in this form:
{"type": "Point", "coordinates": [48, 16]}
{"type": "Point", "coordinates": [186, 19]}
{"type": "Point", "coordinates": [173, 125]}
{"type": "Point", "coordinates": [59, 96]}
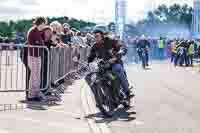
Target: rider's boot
{"type": "Point", "coordinates": [129, 94]}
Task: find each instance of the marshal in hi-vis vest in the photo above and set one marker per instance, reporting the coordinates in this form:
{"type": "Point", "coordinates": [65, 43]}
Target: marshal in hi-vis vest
{"type": "Point", "coordinates": [160, 44]}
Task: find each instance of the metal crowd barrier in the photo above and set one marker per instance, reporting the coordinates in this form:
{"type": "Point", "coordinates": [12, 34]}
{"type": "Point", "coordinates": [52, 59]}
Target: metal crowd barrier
{"type": "Point", "coordinates": [66, 60]}
{"type": "Point", "coordinates": [26, 67]}
{"type": "Point", "coordinates": [21, 69]}
{"type": "Point", "coordinates": [15, 64]}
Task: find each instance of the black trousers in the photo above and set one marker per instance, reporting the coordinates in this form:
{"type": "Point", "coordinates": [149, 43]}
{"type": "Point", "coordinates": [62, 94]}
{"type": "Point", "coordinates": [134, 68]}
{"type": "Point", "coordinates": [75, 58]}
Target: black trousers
{"type": "Point", "coordinates": [177, 59]}
{"type": "Point", "coordinates": [24, 58]}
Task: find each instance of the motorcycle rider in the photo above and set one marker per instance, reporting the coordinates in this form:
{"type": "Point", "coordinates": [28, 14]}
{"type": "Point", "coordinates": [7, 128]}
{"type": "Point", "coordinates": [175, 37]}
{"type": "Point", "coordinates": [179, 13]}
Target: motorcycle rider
{"type": "Point", "coordinates": [110, 50]}
{"type": "Point", "coordinates": [143, 44]}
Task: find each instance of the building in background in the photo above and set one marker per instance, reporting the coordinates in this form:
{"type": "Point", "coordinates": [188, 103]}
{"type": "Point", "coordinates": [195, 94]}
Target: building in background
{"type": "Point", "coordinates": [196, 19]}
{"type": "Point", "coordinates": [120, 18]}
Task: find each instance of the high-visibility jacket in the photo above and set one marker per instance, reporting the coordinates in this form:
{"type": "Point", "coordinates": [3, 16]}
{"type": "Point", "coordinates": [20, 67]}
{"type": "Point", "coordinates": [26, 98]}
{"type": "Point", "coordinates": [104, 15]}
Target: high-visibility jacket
{"type": "Point", "coordinates": [160, 43]}
{"type": "Point", "coordinates": [191, 49]}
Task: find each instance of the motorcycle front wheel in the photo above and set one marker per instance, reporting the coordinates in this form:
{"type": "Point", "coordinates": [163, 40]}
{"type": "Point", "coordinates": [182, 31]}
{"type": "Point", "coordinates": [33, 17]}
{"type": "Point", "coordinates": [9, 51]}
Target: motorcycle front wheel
{"type": "Point", "coordinates": [104, 101]}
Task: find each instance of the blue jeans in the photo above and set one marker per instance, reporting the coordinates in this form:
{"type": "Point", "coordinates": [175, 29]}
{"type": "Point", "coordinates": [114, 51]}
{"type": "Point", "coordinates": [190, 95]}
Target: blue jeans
{"type": "Point", "coordinates": [119, 70]}
{"type": "Point", "coordinates": [161, 53]}
{"type": "Point", "coordinates": [146, 56]}
{"type": "Point", "coordinates": [173, 56]}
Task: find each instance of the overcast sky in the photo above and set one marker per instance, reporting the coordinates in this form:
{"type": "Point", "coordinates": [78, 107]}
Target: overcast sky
{"type": "Point", "coordinates": [96, 10]}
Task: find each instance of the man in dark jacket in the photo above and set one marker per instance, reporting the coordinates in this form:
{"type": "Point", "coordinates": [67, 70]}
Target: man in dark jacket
{"type": "Point", "coordinates": [105, 48]}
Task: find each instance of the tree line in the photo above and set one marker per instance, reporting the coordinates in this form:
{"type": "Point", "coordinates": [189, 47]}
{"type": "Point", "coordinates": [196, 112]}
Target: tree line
{"type": "Point", "coordinates": [161, 18]}
{"type": "Point", "coordinates": [165, 17]}
{"type": "Point", "coordinates": [8, 29]}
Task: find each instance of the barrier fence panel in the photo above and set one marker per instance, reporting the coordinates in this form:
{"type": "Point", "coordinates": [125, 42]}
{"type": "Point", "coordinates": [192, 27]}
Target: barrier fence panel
{"type": "Point", "coordinates": [28, 71]}
{"type": "Point", "coordinates": [65, 61]}
{"type": "Point", "coordinates": [83, 54]}
{"type": "Point", "coordinates": [61, 62]}
{"type": "Point", "coordinates": [58, 63]}
{"type": "Point", "coordinates": [54, 54]}
{"type": "Point", "coordinates": [71, 60]}
{"type": "Point", "coordinates": [76, 58]}
{"type": "Point", "coordinates": [23, 71]}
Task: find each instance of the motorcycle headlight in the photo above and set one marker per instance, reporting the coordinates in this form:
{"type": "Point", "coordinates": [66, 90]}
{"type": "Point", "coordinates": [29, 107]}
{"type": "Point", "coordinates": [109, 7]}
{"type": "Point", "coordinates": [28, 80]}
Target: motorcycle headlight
{"type": "Point", "coordinates": [93, 77]}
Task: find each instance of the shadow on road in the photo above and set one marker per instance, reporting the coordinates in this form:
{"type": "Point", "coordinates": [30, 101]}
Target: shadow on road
{"type": "Point", "coordinates": [148, 69]}
{"type": "Point", "coordinates": [65, 82]}
{"type": "Point", "coordinates": [38, 105]}
{"type": "Point", "coordinates": [120, 114]}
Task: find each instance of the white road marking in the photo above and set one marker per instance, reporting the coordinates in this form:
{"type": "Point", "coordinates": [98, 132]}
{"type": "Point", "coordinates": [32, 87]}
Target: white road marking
{"type": "Point", "coordinates": [138, 122]}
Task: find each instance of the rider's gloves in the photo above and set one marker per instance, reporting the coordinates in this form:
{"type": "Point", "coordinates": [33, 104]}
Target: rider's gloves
{"type": "Point", "coordinates": [119, 55]}
{"type": "Point", "coordinates": [112, 60]}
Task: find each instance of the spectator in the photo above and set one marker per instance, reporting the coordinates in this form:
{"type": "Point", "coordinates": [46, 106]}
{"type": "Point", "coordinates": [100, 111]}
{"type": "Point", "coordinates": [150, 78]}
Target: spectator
{"type": "Point", "coordinates": [67, 36]}
{"type": "Point", "coordinates": [191, 53]}
{"type": "Point", "coordinates": [34, 58]}
{"type": "Point", "coordinates": [180, 54]}
{"type": "Point", "coordinates": [90, 41]}
{"type": "Point", "coordinates": [57, 39]}
{"type": "Point", "coordinates": [1, 39]}
{"type": "Point", "coordinates": [46, 35]}
{"type": "Point", "coordinates": [7, 40]}
{"type": "Point", "coordinates": [161, 46]}
{"type": "Point", "coordinates": [76, 38]}
{"type": "Point", "coordinates": [57, 27]}
{"type": "Point", "coordinates": [57, 33]}
{"type": "Point", "coordinates": [81, 40]}
{"type": "Point", "coordinates": [20, 38]}
{"type": "Point", "coordinates": [173, 50]}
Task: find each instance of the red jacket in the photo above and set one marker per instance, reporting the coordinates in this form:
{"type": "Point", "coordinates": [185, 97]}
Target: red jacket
{"type": "Point", "coordinates": [34, 37]}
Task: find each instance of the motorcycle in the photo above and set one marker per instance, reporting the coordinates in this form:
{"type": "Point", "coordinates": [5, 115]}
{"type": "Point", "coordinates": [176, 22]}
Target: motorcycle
{"type": "Point", "coordinates": [106, 89]}
{"type": "Point", "coordinates": [142, 54]}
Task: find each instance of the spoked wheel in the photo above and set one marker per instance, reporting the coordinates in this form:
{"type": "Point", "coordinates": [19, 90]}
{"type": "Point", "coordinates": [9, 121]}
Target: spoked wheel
{"type": "Point", "coordinates": [126, 103]}
{"type": "Point", "coordinates": [104, 102]}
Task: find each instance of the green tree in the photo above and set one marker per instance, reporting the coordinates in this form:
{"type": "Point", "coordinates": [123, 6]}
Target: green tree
{"type": "Point", "coordinates": [163, 16]}
{"type": "Point", "coordinates": [173, 14]}
{"type": "Point", "coordinates": [5, 29]}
